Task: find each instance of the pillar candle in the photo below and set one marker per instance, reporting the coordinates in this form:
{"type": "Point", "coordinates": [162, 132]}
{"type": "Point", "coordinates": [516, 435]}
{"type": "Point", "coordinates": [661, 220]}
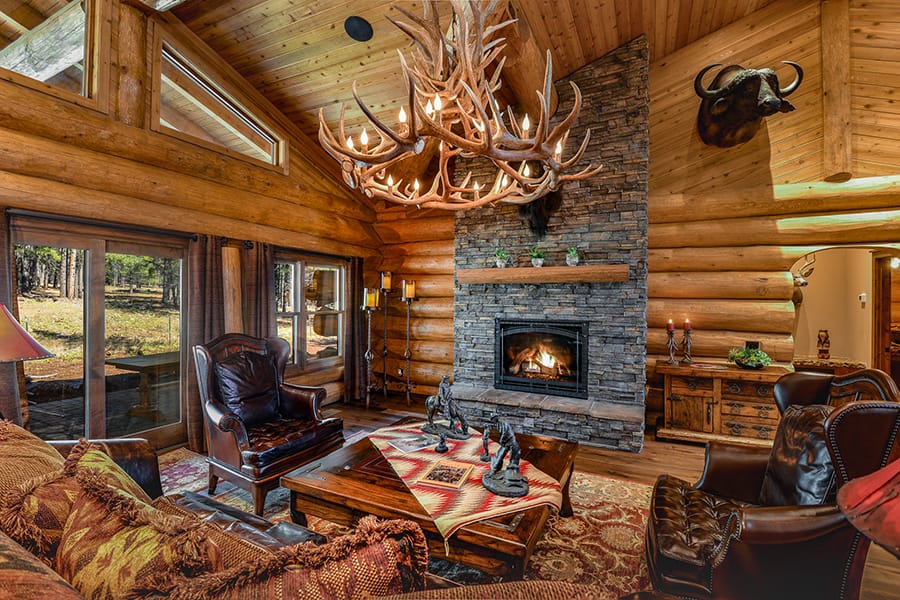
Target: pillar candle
{"type": "Point", "coordinates": [670, 326]}
{"type": "Point", "coordinates": [409, 290]}
{"type": "Point", "coordinates": [370, 297]}
{"type": "Point", "coordinates": [687, 324]}
{"type": "Point", "coordinates": [385, 280]}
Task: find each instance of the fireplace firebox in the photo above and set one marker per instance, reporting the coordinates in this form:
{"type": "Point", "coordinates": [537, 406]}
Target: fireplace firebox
{"type": "Point", "coordinates": [544, 357]}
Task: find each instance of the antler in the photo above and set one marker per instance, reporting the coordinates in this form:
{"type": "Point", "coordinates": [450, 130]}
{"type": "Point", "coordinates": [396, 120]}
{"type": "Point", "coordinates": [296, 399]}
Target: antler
{"type": "Point", "coordinates": [451, 98]}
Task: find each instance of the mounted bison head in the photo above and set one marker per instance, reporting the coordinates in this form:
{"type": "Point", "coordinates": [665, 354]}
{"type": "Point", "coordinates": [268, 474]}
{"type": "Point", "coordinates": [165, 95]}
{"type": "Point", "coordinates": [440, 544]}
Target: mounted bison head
{"type": "Point", "coordinates": [737, 100]}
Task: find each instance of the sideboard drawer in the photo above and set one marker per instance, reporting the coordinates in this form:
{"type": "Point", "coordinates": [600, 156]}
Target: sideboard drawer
{"type": "Point", "coordinates": [748, 427]}
{"type": "Point", "coordinates": [693, 386]}
{"type": "Point", "coordinates": [747, 389]}
{"type": "Point", "coordinates": [749, 408]}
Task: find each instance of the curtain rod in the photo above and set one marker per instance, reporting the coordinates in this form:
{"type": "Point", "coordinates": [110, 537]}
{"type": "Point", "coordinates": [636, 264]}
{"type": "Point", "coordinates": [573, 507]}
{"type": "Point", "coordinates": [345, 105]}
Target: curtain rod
{"type": "Point", "coordinates": [22, 212]}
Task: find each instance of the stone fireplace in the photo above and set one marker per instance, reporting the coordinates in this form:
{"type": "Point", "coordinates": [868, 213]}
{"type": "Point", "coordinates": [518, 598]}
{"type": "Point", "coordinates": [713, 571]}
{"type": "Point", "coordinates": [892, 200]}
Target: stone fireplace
{"type": "Point", "coordinates": [605, 217]}
{"type": "Point", "coordinates": [541, 357]}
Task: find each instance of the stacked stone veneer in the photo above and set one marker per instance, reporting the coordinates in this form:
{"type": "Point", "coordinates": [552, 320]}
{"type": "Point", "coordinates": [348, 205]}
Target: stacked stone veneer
{"type": "Point", "coordinates": [605, 216]}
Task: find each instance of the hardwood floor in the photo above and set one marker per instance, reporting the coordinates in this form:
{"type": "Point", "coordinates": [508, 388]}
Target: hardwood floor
{"type": "Point", "coordinates": [882, 575]}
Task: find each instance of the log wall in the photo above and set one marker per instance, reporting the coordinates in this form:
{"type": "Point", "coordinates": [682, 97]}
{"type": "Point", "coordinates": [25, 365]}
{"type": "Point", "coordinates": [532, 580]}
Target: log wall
{"type": "Point", "coordinates": [726, 224]}
{"type": "Point", "coordinates": [65, 158]}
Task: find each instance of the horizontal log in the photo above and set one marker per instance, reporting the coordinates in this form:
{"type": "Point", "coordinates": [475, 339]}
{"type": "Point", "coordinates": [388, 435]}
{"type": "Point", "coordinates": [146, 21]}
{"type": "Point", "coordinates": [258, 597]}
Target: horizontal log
{"type": "Point", "coordinates": [423, 373]}
{"type": "Point", "coordinates": [416, 230]}
{"type": "Point", "coordinates": [423, 308]}
{"type": "Point", "coordinates": [749, 258]}
{"type": "Point", "coordinates": [784, 199]}
{"type": "Point", "coordinates": [21, 191]}
{"type": "Point", "coordinates": [716, 344]}
{"type": "Point", "coordinates": [439, 247]}
{"type": "Point", "coordinates": [434, 351]}
{"type": "Point", "coordinates": [36, 157]}
{"type": "Point", "coordinates": [415, 266]}
{"type": "Point", "coordinates": [334, 392]}
{"type": "Point", "coordinates": [860, 228]}
{"type": "Point", "coordinates": [721, 284]}
{"type": "Point", "coordinates": [772, 316]}
{"type": "Point", "coordinates": [318, 377]}
{"type": "Point", "coordinates": [421, 329]}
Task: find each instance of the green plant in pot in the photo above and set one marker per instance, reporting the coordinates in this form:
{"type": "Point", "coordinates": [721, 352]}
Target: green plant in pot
{"type": "Point", "coordinates": [501, 256]}
{"type": "Point", "coordinates": [749, 358]}
{"type": "Point", "coordinates": [537, 256]}
{"type": "Point", "coordinates": [572, 256]}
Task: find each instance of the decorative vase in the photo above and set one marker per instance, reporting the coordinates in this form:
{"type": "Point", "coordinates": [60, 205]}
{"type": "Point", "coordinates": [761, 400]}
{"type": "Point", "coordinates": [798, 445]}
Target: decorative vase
{"type": "Point", "coordinates": [752, 366]}
{"type": "Point", "coordinates": [501, 263]}
{"type": "Point", "coordinates": [572, 261]}
{"type": "Point", "coordinates": [537, 262]}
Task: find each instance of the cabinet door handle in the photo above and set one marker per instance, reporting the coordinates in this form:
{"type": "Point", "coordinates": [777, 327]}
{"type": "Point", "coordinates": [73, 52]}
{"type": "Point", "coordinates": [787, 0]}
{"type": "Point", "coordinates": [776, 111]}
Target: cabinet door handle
{"type": "Point", "coordinates": [709, 414]}
{"type": "Point", "coordinates": [675, 398]}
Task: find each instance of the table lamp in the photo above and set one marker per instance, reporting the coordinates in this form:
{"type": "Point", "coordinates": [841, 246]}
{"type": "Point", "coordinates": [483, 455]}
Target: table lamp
{"type": "Point", "coordinates": [16, 344]}
{"type": "Point", "coordinates": [872, 504]}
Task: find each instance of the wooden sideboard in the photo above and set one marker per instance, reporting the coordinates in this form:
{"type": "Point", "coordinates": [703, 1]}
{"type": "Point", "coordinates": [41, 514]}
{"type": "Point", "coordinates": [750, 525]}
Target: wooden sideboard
{"type": "Point", "coordinates": [719, 402]}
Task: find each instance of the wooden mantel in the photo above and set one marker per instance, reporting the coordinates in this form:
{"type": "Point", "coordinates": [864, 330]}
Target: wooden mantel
{"type": "Point", "coordinates": [581, 273]}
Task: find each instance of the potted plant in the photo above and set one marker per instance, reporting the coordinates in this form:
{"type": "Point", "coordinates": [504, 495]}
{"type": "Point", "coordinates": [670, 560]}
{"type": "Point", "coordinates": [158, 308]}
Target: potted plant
{"type": "Point", "coordinates": [501, 256]}
{"type": "Point", "coordinates": [537, 257]}
{"type": "Point", "coordinates": [749, 358]}
{"type": "Point", "coordinates": [572, 256]}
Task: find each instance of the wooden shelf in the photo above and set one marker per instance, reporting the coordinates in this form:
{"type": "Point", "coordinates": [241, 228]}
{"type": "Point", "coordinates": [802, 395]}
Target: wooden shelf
{"type": "Point", "coordinates": [581, 273]}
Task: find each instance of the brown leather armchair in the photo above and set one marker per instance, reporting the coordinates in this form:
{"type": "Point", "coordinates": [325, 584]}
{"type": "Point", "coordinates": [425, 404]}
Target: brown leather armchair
{"type": "Point", "coordinates": [258, 428]}
{"type": "Point", "coordinates": [730, 536]}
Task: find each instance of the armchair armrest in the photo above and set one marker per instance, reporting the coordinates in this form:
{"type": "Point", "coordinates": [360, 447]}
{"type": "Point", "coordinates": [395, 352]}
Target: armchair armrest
{"type": "Point", "coordinates": [789, 524]}
{"type": "Point", "coordinates": [301, 402]}
{"type": "Point", "coordinates": [227, 421]}
{"type": "Point", "coordinates": [734, 471]}
{"type": "Point", "coordinates": [135, 455]}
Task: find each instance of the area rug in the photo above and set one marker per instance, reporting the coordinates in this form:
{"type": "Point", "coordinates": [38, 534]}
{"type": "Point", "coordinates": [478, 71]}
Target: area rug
{"type": "Point", "coordinates": [601, 545]}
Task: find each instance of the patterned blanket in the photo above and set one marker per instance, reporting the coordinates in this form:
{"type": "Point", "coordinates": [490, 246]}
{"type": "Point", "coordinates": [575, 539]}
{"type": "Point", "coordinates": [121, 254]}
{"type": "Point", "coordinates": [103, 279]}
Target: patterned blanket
{"type": "Point", "coordinates": [452, 508]}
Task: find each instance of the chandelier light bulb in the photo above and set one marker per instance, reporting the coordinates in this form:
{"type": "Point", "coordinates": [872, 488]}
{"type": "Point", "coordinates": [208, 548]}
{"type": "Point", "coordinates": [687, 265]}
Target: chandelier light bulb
{"type": "Point", "coordinates": [416, 186]}
{"type": "Point", "coordinates": [437, 102]}
{"type": "Point", "coordinates": [429, 108]}
{"type": "Point", "coordinates": [526, 124]}
{"type": "Point", "coordinates": [526, 170]}
{"type": "Point", "coordinates": [558, 149]}
{"type": "Point", "coordinates": [350, 142]}
{"type": "Point", "coordinates": [364, 137]}
{"type": "Point", "coordinates": [402, 115]}
{"type": "Point", "coordinates": [390, 181]}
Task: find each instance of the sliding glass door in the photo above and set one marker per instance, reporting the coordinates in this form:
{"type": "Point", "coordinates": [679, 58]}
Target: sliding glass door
{"type": "Point", "coordinates": [110, 309]}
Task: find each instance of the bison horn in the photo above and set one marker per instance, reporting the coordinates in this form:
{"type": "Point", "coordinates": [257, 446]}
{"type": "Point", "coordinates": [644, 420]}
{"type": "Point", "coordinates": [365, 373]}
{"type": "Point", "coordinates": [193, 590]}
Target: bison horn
{"type": "Point", "coordinates": [794, 84]}
{"type": "Point", "coordinates": [698, 84]}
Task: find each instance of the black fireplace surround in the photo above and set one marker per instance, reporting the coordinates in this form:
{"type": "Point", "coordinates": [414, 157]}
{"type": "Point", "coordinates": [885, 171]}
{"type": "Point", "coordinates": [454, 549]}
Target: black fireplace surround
{"type": "Point", "coordinates": [543, 357]}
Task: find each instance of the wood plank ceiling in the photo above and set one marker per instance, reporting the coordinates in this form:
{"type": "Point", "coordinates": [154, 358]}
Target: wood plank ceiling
{"type": "Point", "coordinates": [298, 55]}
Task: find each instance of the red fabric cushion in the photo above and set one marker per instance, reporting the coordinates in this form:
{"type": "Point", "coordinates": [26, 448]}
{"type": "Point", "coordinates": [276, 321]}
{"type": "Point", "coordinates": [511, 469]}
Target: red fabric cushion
{"type": "Point", "coordinates": [872, 504]}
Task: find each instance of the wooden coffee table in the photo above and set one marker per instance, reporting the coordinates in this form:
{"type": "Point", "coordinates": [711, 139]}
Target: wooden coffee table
{"type": "Point", "coordinates": [357, 480]}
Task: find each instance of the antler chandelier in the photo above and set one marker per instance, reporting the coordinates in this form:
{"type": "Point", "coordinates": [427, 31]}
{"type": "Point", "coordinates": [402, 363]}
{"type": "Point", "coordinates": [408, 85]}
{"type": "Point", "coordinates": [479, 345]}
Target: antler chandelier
{"type": "Point", "coordinates": [451, 100]}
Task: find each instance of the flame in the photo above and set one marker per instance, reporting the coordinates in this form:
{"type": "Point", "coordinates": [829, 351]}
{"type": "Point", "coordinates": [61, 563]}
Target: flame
{"type": "Point", "coordinates": [546, 359]}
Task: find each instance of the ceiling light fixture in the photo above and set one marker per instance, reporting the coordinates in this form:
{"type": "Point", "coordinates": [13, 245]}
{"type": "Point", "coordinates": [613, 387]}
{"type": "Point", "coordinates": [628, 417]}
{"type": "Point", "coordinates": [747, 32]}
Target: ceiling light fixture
{"type": "Point", "coordinates": [451, 100]}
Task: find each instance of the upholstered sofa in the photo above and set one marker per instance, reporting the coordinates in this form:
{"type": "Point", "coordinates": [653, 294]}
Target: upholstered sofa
{"type": "Point", "coordinates": [89, 520]}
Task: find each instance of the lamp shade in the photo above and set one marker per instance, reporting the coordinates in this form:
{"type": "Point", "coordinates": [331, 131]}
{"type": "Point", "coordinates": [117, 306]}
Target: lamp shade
{"type": "Point", "coordinates": [15, 343]}
{"type": "Point", "coordinates": [872, 504]}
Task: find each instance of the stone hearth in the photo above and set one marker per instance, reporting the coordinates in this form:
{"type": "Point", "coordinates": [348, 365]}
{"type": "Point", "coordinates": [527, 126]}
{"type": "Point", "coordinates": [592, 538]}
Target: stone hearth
{"type": "Point", "coordinates": [605, 217]}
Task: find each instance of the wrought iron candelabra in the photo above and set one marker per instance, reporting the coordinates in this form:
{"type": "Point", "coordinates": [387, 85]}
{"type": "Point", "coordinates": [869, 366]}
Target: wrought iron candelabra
{"type": "Point", "coordinates": [408, 295]}
{"type": "Point", "coordinates": [673, 347]}
{"type": "Point", "coordinates": [370, 304]}
{"type": "Point", "coordinates": [686, 346]}
{"type": "Point", "coordinates": [385, 291]}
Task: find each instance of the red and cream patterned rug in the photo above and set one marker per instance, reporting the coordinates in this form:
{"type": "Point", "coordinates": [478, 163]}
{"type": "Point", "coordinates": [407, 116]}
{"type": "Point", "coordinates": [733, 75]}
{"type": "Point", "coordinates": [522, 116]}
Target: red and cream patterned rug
{"type": "Point", "coordinates": [601, 545]}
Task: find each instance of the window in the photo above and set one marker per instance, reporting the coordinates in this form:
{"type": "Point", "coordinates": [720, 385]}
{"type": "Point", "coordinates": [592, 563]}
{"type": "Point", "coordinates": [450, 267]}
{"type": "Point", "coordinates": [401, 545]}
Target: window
{"type": "Point", "coordinates": [193, 105]}
{"type": "Point", "coordinates": [53, 43]}
{"type": "Point", "coordinates": [310, 306]}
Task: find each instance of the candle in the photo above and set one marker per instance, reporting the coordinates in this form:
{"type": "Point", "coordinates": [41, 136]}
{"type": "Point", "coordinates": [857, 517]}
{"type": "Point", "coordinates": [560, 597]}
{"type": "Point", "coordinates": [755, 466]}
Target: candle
{"type": "Point", "coordinates": [670, 326]}
{"type": "Point", "coordinates": [385, 280]}
{"type": "Point", "coordinates": [409, 290]}
{"type": "Point", "coordinates": [370, 297]}
{"type": "Point", "coordinates": [687, 324]}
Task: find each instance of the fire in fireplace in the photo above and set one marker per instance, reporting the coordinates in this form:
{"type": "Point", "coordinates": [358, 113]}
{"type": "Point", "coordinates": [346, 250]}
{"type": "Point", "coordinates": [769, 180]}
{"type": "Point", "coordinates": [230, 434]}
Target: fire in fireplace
{"type": "Point", "coordinates": [548, 357]}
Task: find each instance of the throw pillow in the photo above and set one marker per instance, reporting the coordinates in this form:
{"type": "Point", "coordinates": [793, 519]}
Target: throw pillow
{"type": "Point", "coordinates": [24, 576]}
{"type": "Point", "coordinates": [799, 470]}
{"type": "Point", "coordinates": [35, 512]}
{"type": "Point", "coordinates": [377, 559]}
{"type": "Point", "coordinates": [24, 456]}
{"type": "Point", "coordinates": [114, 545]}
{"type": "Point", "coordinates": [248, 386]}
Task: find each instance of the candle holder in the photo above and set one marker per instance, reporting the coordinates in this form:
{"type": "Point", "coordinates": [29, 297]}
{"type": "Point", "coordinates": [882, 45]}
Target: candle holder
{"type": "Point", "coordinates": [370, 305]}
{"type": "Point", "coordinates": [385, 291]}
{"type": "Point", "coordinates": [686, 347]}
{"type": "Point", "coordinates": [408, 295]}
{"type": "Point", "coordinates": [672, 346]}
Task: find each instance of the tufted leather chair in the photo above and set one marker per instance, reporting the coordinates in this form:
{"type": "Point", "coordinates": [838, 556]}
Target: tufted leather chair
{"type": "Point", "coordinates": [258, 428]}
{"type": "Point", "coordinates": [730, 537]}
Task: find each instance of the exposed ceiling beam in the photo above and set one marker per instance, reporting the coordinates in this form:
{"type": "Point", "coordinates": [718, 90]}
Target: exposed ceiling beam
{"type": "Point", "coordinates": [159, 5]}
{"type": "Point", "coordinates": [51, 47]}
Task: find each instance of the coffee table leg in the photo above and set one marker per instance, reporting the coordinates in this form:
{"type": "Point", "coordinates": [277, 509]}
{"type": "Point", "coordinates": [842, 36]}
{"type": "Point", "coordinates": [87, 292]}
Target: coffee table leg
{"type": "Point", "coordinates": [297, 516]}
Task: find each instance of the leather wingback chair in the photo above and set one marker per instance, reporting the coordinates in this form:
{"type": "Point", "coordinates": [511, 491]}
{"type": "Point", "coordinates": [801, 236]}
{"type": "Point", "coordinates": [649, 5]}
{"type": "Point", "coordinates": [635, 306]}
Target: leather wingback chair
{"type": "Point", "coordinates": [258, 428]}
{"type": "Point", "coordinates": [730, 537]}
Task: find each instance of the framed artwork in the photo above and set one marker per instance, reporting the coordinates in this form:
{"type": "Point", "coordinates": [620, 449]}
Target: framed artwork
{"type": "Point", "coordinates": [446, 473]}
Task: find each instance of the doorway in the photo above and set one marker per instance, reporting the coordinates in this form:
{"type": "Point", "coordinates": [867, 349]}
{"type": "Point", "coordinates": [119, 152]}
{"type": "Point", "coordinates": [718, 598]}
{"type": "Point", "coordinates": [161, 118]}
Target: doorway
{"type": "Point", "coordinates": [886, 313]}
